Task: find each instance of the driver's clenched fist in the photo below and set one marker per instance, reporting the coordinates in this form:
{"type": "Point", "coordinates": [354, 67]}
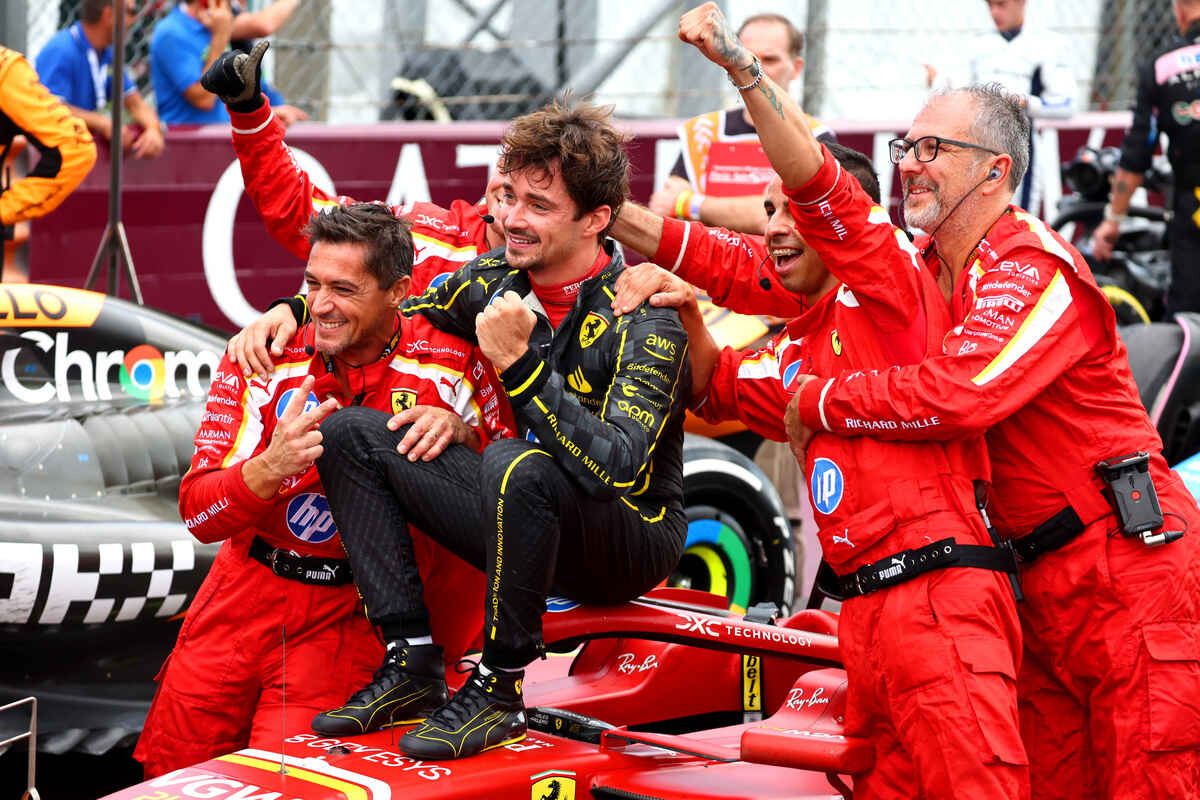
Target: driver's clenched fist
{"type": "Point", "coordinates": [706, 29]}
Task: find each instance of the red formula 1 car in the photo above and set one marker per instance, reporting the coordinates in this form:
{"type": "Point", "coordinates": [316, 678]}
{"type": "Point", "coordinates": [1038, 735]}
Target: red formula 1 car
{"type": "Point", "coordinates": [664, 697]}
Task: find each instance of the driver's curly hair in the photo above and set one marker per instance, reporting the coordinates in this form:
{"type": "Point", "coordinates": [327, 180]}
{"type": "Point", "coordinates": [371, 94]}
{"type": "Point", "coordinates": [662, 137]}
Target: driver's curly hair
{"type": "Point", "coordinates": [580, 142]}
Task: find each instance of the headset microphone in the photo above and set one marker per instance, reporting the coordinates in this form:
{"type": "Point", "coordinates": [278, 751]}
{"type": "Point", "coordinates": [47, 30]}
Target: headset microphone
{"type": "Point", "coordinates": [488, 218]}
{"type": "Point", "coordinates": [762, 280]}
{"type": "Point", "coordinates": [991, 176]}
{"type": "Point", "coordinates": [308, 348]}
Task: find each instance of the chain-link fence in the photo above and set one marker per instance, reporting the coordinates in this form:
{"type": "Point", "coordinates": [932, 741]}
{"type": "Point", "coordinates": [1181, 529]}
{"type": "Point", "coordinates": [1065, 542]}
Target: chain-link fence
{"type": "Point", "coordinates": [363, 60]}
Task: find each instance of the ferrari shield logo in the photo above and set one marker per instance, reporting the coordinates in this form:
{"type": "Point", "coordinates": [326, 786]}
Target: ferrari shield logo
{"type": "Point", "coordinates": [403, 399]}
{"type": "Point", "coordinates": [553, 785]}
{"type": "Point", "coordinates": [593, 325]}
{"type": "Point", "coordinates": [836, 341]}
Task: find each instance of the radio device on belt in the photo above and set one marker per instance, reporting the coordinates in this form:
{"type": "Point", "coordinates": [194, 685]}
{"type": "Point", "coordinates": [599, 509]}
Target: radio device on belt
{"type": "Point", "coordinates": [1133, 496]}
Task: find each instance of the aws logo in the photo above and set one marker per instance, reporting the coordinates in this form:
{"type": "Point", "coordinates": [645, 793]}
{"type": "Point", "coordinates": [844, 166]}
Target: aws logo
{"type": "Point", "coordinates": [660, 347]}
{"type": "Point", "coordinates": [309, 404]}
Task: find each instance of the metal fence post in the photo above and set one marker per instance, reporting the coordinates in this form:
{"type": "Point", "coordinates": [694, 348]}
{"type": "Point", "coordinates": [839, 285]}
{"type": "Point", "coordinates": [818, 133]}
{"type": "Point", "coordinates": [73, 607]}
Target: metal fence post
{"type": "Point", "coordinates": [816, 32]}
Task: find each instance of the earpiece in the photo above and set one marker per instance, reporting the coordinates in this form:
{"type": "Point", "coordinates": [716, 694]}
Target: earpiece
{"type": "Point", "coordinates": [994, 174]}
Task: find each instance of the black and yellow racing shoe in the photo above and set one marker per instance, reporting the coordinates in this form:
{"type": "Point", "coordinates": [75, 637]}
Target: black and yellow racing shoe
{"type": "Point", "coordinates": [488, 711]}
{"type": "Point", "coordinates": [410, 685]}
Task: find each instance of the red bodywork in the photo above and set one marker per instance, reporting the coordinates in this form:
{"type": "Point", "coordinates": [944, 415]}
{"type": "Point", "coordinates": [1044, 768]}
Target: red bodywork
{"type": "Point", "coordinates": [660, 658]}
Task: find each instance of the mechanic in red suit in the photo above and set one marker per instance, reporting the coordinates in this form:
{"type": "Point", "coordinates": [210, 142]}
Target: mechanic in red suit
{"type": "Point", "coordinates": [444, 238]}
{"type": "Point", "coordinates": [277, 623]}
{"type": "Point", "coordinates": [1111, 672]}
{"type": "Point", "coordinates": [930, 652]}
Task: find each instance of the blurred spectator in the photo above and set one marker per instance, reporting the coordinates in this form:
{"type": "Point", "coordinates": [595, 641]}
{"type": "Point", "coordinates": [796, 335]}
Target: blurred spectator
{"type": "Point", "coordinates": [66, 148]}
{"type": "Point", "coordinates": [250, 25]}
{"type": "Point", "coordinates": [188, 40]}
{"type": "Point", "coordinates": [76, 66]}
{"type": "Point", "coordinates": [1168, 105]}
{"type": "Point", "coordinates": [1028, 61]}
{"type": "Point", "coordinates": [719, 177]}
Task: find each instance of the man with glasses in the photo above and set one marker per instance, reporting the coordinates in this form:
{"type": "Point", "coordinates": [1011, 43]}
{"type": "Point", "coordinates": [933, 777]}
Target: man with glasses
{"type": "Point", "coordinates": [1111, 667]}
{"type": "Point", "coordinates": [910, 691]}
{"type": "Point", "coordinates": [76, 66]}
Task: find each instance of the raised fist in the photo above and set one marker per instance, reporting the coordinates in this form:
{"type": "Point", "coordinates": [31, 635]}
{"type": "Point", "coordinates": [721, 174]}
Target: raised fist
{"type": "Point", "coordinates": [236, 78]}
{"type": "Point", "coordinates": [706, 29]}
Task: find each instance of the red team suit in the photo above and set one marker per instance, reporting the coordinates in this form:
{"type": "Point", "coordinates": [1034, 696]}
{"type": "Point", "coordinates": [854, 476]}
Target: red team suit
{"type": "Point", "coordinates": [932, 662]}
{"type": "Point", "coordinates": [443, 239]}
{"type": "Point", "coordinates": [1110, 684]}
{"type": "Point", "coordinates": [223, 685]}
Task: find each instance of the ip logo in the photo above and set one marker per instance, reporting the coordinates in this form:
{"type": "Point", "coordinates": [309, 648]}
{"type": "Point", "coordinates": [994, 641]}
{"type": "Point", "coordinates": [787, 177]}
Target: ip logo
{"type": "Point", "coordinates": [790, 372]}
{"type": "Point", "coordinates": [309, 404]}
{"type": "Point", "coordinates": [826, 485]}
{"type": "Point", "coordinates": [309, 518]}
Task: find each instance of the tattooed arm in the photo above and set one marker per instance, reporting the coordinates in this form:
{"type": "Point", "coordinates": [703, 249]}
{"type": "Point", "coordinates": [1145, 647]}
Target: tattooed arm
{"type": "Point", "coordinates": [783, 128]}
{"type": "Point", "coordinates": [1105, 236]}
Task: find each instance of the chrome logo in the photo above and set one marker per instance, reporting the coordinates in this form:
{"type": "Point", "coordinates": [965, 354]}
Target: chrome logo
{"type": "Point", "coordinates": [144, 374]}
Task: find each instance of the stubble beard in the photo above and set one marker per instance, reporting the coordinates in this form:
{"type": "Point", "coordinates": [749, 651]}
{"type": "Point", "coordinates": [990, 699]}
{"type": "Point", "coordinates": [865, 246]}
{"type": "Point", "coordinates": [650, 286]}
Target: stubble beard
{"type": "Point", "coordinates": [927, 217]}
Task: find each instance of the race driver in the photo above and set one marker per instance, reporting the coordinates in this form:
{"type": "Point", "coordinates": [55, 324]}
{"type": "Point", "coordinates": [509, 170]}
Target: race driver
{"type": "Point", "coordinates": [590, 498]}
{"type": "Point", "coordinates": [277, 623]}
{"type": "Point", "coordinates": [1111, 623]}
{"type": "Point", "coordinates": [286, 198]}
{"type": "Point", "coordinates": [930, 652]}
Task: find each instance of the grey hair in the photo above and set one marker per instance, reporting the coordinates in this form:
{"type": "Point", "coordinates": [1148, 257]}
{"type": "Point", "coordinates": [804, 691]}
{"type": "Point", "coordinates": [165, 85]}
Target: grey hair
{"type": "Point", "coordinates": [1001, 123]}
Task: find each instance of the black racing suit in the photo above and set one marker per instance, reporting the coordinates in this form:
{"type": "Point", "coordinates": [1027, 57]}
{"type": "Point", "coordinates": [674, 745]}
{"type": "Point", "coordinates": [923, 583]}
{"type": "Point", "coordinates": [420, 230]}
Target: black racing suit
{"type": "Point", "coordinates": [589, 503]}
{"type": "Point", "coordinates": [1168, 101]}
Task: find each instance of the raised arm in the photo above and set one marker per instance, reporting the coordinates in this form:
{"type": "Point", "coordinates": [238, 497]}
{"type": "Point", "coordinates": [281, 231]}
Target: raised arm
{"type": "Point", "coordinates": [1025, 328]}
{"type": "Point", "coordinates": [783, 128]}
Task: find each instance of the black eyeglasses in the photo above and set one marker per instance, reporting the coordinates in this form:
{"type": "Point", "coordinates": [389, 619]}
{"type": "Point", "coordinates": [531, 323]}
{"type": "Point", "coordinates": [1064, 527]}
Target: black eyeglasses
{"type": "Point", "coordinates": [926, 148]}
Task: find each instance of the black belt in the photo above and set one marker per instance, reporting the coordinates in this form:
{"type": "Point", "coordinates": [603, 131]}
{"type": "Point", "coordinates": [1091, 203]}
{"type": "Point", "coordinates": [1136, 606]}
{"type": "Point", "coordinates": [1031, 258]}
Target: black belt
{"type": "Point", "coordinates": [908, 564]}
{"type": "Point", "coordinates": [1050, 535]}
{"type": "Point", "coordinates": [306, 569]}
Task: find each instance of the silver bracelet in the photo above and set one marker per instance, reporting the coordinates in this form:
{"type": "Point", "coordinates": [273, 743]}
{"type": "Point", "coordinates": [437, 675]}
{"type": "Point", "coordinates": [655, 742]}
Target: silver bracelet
{"type": "Point", "coordinates": [755, 69]}
{"type": "Point", "coordinates": [1110, 214]}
